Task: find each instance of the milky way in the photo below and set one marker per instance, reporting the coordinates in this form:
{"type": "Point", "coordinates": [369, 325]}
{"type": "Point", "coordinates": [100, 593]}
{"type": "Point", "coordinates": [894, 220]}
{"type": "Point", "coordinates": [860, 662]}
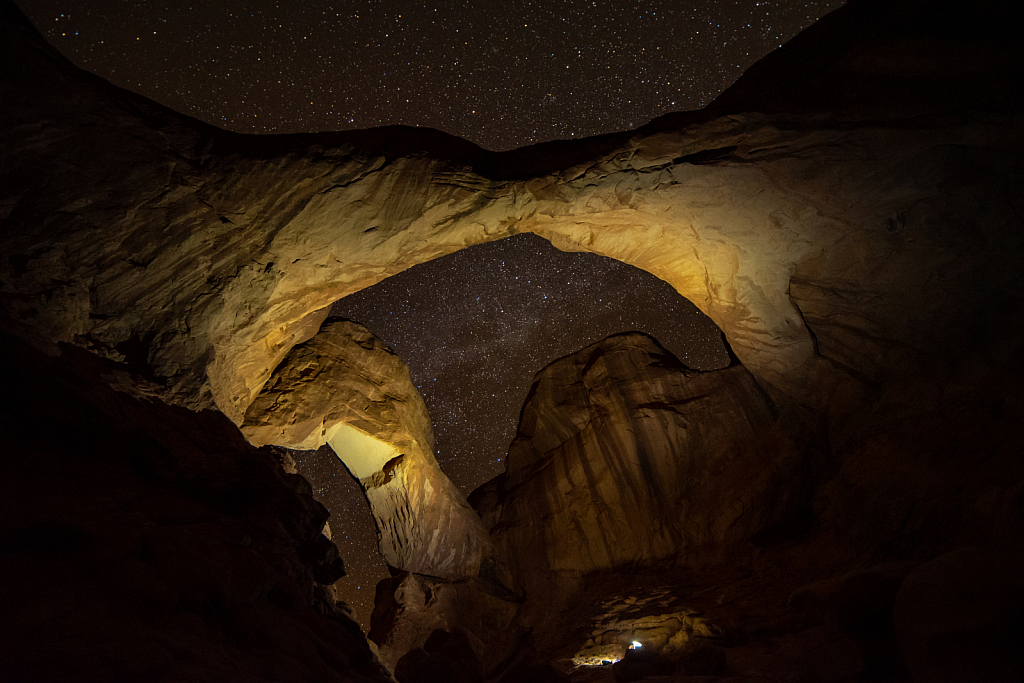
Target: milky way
{"type": "Point", "coordinates": [475, 326]}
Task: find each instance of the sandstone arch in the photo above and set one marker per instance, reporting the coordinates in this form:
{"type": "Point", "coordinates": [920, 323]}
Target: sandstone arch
{"type": "Point", "coordinates": [676, 220]}
{"type": "Point", "coordinates": [345, 388]}
{"type": "Point", "coordinates": [220, 252]}
{"type": "Point", "coordinates": [837, 254]}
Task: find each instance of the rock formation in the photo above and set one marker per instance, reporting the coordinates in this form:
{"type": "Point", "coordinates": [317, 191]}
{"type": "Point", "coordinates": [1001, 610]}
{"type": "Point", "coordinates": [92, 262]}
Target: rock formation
{"type": "Point", "coordinates": [849, 214]}
{"type": "Point", "coordinates": [144, 542]}
{"type": "Point", "coordinates": [410, 607]}
{"type": "Point", "coordinates": [219, 249]}
{"type": "Point", "coordinates": [345, 388]}
{"type": "Point", "coordinates": [624, 457]}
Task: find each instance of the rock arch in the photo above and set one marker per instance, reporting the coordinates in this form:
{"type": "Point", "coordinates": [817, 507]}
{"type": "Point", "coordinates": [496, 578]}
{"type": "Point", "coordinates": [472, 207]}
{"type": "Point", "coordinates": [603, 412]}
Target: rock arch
{"type": "Point", "coordinates": [720, 234]}
{"type": "Point", "coordinates": [840, 256]}
{"type": "Point", "coordinates": [848, 214]}
{"type": "Point", "coordinates": [810, 241]}
{"type": "Point", "coordinates": [346, 389]}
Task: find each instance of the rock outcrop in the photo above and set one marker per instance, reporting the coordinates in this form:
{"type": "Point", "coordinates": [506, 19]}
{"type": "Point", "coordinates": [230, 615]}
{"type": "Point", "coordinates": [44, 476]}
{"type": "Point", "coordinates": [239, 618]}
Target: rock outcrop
{"type": "Point", "coordinates": [144, 542]}
{"type": "Point", "coordinates": [409, 608]}
{"type": "Point", "coordinates": [624, 461]}
{"type": "Point", "coordinates": [624, 457]}
{"type": "Point", "coordinates": [345, 388]}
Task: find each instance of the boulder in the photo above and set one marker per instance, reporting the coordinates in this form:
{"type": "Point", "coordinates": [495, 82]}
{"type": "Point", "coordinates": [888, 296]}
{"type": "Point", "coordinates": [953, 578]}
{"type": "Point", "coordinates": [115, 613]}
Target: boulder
{"type": "Point", "coordinates": [837, 661]}
{"type": "Point", "coordinates": [444, 658]}
{"type": "Point", "coordinates": [701, 660]}
{"type": "Point", "coordinates": [409, 608]}
{"type": "Point", "coordinates": [639, 664]}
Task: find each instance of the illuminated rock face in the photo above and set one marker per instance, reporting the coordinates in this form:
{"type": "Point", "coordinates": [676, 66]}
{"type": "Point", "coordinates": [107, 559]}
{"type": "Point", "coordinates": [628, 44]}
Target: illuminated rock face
{"type": "Point", "coordinates": [624, 457]}
{"type": "Point", "coordinates": [833, 253]}
{"type": "Point", "coordinates": [345, 388]}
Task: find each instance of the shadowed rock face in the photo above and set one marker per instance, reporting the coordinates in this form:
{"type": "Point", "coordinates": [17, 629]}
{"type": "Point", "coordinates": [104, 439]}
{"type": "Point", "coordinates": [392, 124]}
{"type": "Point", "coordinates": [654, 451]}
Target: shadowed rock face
{"type": "Point", "coordinates": [625, 457]}
{"type": "Point", "coordinates": [345, 388]}
{"type": "Point", "coordinates": [144, 542]}
{"type": "Point", "coordinates": [627, 461]}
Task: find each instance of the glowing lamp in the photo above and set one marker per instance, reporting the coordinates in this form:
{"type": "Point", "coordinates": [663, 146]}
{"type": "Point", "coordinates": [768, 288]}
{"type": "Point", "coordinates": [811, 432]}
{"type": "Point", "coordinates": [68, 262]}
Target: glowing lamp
{"type": "Point", "coordinates": [636, 645]}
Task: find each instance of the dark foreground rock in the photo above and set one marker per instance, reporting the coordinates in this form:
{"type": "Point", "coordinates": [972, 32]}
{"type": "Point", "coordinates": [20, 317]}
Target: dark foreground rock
{"type": "Point", "coordinates": [149, 543]}
{"type": "Point", "coordinates": [960, 617]}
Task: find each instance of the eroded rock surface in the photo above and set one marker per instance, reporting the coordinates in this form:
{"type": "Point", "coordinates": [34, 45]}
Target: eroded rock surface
{"type": "Point", "coordinates": [344, 387]}
{"type": "Point", "coordinates": [410, 607]}
{"type": "Point", "coordinates": [812, 240]}
{"type": "Point", "coordinates": [624, 457]}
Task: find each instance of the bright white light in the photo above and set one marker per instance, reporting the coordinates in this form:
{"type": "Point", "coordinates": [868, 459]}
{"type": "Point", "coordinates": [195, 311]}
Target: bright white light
{"type": "Point", "coordinates": [637, 645]}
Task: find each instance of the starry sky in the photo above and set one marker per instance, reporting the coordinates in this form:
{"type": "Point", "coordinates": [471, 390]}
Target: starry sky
{"type": "Point", "coordinates": [475, 326]}
{"type": "Point", "coordinates": [501, 73]}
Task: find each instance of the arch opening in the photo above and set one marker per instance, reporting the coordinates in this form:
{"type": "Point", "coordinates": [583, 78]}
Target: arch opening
{"type": "Point", "coordinates": [504, 311]}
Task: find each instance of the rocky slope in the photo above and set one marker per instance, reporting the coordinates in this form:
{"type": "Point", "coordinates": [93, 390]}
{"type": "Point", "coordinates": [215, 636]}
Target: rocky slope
{"type": "Point", "coordinates": [344, 387]}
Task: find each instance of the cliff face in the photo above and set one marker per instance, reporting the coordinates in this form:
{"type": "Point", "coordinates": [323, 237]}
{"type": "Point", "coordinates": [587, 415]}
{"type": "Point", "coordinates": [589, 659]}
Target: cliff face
{"type": "Point", "coordinates": [344, 387]}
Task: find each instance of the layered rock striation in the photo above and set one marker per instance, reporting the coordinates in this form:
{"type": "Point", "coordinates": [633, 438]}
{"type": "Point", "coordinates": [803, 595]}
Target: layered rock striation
{"type": "Point", "coordinates": [345, 388]}
{"type": "Point", "coordinates": [626, 458]}
{"type": "Point", "coordinates": [626, 461]}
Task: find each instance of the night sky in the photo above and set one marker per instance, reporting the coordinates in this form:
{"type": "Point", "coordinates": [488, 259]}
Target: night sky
{"type": "Point", "coordinates": [502, 73]}
{"type": "Point", "coordinates": [475, 326]}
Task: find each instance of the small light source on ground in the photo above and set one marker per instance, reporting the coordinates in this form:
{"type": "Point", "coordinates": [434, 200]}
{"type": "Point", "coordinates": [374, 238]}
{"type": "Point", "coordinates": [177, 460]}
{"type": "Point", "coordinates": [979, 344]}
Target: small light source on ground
{"type": "Point", "coordinates": [636, 645]}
